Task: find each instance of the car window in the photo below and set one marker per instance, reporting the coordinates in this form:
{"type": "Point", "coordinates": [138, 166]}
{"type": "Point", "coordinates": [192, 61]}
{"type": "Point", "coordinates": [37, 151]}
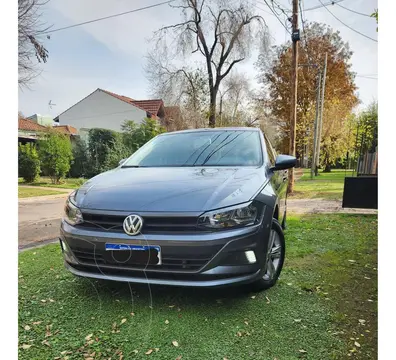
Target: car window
{"type": "Point", "coordinates": [201, 148]}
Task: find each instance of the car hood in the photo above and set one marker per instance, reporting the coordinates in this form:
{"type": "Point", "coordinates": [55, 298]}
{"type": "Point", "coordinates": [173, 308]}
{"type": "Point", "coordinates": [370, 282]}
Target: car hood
{"type": "Point", "coordinates": [170, 189]}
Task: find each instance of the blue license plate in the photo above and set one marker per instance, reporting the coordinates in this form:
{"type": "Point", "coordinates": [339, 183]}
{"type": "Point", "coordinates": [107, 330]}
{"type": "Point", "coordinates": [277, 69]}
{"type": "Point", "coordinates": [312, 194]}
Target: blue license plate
{"type": "Point", "coordinates": [137, 253]}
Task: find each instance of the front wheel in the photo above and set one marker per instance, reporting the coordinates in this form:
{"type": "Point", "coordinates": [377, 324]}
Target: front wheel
{"type": "Point", "coordinates": [275, 256]}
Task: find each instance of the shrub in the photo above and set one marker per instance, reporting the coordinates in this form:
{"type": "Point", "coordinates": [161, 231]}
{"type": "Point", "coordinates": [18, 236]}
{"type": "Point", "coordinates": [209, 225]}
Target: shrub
{"type": "Point", "coordinates": [55, 153]}
{"type": "Point", "coordinates": [80, 165]}
{"type": "Point", "coordinates": [28, 162]}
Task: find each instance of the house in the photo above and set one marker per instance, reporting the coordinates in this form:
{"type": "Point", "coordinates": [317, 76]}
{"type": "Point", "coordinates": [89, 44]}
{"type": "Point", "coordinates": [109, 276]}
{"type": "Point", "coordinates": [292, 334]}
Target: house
{"type": "Point", "coordinates": [107, 110]}
{"type": "Point", "coordinates": [44, 120]}
{"type": "Point", "coordinates": [30, 131]}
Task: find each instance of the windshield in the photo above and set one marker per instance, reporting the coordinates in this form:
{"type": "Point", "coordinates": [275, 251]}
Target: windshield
{"type": "Point", "coordinates": [203, 148]}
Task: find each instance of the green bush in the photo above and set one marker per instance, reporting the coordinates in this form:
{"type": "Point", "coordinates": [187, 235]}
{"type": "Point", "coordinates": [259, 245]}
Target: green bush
{"type": "Point", "coordinates": [80, 165]}
{"type": "Point", "coordinates": [28, 162]}
{"type": "Point", "coordinates": [55, 153]}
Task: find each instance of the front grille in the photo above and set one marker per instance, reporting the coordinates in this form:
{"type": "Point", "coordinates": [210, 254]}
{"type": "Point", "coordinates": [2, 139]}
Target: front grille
{"type": "Point", "coordinates": [185, 262]}
{"type": "Point", "coordinates": [151, 224]}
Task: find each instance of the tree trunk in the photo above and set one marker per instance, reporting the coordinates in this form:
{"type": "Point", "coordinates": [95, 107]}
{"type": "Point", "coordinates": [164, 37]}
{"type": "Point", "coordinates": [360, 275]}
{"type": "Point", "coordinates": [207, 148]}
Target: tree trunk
{"type": "Point", "coordinates": [327, 168]}
{"type": "Point", "coordinates": [212, 108]}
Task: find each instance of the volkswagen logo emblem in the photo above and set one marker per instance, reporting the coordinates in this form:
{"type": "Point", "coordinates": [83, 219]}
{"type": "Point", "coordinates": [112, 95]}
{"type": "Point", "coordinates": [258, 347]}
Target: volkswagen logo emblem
{"type": "Point", "coordinates": [133, 224]}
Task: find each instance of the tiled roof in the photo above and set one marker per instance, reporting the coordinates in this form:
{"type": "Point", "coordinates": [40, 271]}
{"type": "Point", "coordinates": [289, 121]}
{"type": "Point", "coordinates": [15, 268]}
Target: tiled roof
{"type": "Point", "coordinates": [29, 125]}
{"type": "Point", "coordinates": [66, 129]}
{"type": "Point", "coordinates": [151, 106]}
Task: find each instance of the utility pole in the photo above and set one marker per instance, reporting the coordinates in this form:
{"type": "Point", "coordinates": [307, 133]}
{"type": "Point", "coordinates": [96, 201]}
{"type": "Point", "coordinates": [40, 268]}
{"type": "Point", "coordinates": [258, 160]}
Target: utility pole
{"type": "Point", "coordinates": [321, 115]}
{"type": "Point", "coordinates": [316, 123]}
{"type": "Point", "coordinates": [293, 113]}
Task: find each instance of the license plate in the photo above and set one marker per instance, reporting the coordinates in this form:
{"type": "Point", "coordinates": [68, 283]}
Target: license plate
{"type": "Point", "coordinates": [134, 254]}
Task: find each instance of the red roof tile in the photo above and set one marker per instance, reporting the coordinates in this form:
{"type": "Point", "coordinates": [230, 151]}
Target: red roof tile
{"type": "Point", "coordinates": [29, 125]}
{"type": "Point", "coordinates": [151, 106]}
{"type": "Point", "coordinates": [66, 129]}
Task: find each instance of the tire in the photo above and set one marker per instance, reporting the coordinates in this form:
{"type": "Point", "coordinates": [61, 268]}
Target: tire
{"type": "Point", "coordinates": [269, 279]}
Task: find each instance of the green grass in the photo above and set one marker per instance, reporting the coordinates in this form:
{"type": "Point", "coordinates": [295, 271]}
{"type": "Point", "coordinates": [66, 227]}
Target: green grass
{"type": "Point", "coordinates": [329, 186]}
{"type": "Point", "coordinates": [24, 192]}
{"type": "Point", "coordinates": [315, 307]}
{"type": "Point", "coordinates": [70, 183]}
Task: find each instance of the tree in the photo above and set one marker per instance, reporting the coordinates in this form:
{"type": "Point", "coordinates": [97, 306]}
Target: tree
{"type": "Point", "coordinates": [375, 15]}
{"type": "Point", "coordinates": [55, 153]}
{"type": "Point", "coordinates": [340, 97]}
{"type": "Point", "coordinates": [28, 162]}
{"type": "Point", "coordinates": [222, 33]}
{"type": "Point", "coordinates": [136, 136]}
{"type": "Point", "coordinates": [29, 46]}
{"type": "Point", "coordinates": [80, 164]}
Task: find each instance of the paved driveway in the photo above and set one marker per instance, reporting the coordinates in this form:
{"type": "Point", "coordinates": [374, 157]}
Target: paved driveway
{"type": "Point", "coordinates": [39, 218]}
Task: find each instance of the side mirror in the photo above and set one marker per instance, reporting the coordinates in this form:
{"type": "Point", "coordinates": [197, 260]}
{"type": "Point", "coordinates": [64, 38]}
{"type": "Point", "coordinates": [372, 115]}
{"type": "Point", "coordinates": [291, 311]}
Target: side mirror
{"type": "Point", "coordinates": [121, 162]}
{"type": "Point", "coordinates": [284, 162]}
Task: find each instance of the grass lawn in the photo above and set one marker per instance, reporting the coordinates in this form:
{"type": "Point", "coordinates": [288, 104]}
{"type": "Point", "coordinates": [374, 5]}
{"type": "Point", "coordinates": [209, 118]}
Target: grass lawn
{"type": "Point", "coordinates": [24, 192]}
{"type": "Point", "coordinates": [329, 186]}
{"type": "Point", "coordinates": [46, 182]}
{"type": "Point", "coordinates": [323, 307]}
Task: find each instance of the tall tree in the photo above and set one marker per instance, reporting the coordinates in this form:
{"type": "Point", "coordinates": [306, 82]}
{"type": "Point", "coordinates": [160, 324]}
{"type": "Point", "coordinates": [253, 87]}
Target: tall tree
{"type": "Point", "coordinates": [221, 32]}
{"type": "Point", "coordinates": [30, 47]}
{"type": "Point", "coordinates": [340, 97]}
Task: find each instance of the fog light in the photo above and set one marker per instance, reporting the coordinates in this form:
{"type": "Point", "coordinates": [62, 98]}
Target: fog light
{"type": "Point", "coordinates": [250, 256]}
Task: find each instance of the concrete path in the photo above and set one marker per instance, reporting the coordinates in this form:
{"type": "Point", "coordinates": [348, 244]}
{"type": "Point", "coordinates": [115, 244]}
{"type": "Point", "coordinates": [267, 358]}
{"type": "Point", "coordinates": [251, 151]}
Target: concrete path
{"type": "Point", "coordinates": [39, 219]}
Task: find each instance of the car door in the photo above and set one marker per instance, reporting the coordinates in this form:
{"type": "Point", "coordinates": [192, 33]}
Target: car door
{"type": "Point", "coordinates": [278, 180]}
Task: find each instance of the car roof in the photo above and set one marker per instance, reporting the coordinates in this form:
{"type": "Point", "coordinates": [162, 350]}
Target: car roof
{"type": "Point", "coordinates": [213, 129]}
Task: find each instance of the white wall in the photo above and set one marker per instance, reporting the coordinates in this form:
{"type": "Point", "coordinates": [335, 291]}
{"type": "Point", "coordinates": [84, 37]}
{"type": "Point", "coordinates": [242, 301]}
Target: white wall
{"type": "Point", "coordinates": [101, 110]}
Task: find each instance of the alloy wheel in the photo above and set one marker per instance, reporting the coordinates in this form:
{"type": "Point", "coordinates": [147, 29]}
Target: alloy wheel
{"type": "Point", "coordinates": [273, 255]}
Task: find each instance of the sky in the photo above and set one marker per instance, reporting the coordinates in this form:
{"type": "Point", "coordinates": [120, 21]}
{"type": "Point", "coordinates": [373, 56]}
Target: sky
{"type": "Point", "coordinates": [109, 54]}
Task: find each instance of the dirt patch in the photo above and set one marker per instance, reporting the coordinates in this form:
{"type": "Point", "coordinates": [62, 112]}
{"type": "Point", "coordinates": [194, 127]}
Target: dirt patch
{"type": "Point", "coordinates": [315, 206]}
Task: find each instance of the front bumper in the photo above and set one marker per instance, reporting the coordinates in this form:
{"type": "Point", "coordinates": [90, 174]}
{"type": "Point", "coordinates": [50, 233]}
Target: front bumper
{"type": "Point", "coordinates": [198, 260]}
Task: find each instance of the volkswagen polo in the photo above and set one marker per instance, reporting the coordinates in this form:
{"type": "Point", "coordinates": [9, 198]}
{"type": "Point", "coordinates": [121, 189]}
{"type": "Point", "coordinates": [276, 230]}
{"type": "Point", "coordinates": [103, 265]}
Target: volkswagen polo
{"type": "Point", "coordinates": [190, 208]}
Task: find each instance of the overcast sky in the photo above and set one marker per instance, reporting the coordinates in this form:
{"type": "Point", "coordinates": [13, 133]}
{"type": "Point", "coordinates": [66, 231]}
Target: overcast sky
{"type": "Point", "coordinates": [109, 54]}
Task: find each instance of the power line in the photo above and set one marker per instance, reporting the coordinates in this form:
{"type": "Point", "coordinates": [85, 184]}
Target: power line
{"type": "Point", "coordinates": [304, 33]}
{"type": "Point", "coordinates": [354, 11]}
{"type": "Point", "coordinates": [320, 6]}
{"type": "Point", "coordinates": [367, 77]}
{"type": "Point", "coordinates": [109, 17]}
{"type": "Point", "coordinates": [358, 32]}
{"type": "Point", "coordinates": [276, 15]}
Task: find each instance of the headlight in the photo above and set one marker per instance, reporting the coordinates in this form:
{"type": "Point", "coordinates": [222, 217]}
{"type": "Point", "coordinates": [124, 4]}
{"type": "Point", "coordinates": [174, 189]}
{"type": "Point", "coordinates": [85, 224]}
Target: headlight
{"type": "Point", "coordinates": [73, 214]}
{"type": "Point", "coordinates": [241, 215]}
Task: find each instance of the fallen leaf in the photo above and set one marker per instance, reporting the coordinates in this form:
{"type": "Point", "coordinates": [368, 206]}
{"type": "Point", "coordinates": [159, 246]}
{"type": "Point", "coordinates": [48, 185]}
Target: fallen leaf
{"type": "Point", "coordinates": [123, 321]}
{"type": "Point", "coordinates": [51, 300]}
{"type": "Point", "coordinates": [171, 306]}
{"type": "Point", "coordinates": [25, 346]}
{"type": "Point", "coordinates": [367, 278]}
{"type": "Point", "coordinates": [268, 300]}
{"type": "Point", "coordinates": [132, 314]}
{"type": "Point", "coordinates": [156, 349]}
{"type": "Point", "coordinates": [362, 322]}
{"type": "Point", "coordinates": [225, 358]}
{"type": "Point", "coordinates": [253, 297]}
{"type": "Point", "coordinates": [302, 351]}
{"type": "Point", "coordinates": [37, 323]}
{"type": "Point", "coordinates": [179, 357]}
{"type": "Point", "coordinates": [246, 323]}
{"type": "Point", "coordinates": [352, 261]}
{"type": "Point", "coordinates": [357, 344]}
{"type": "Point", "coordinates": [297, 320]}
{"type": "Point", "coordinates": [27, 327]}
{"type": "Point", "coordinates": [45, 342]}
{"type": "Point", "coordinates": [149, 352]}
{"type": "Point", "coordinates": [290, 284]}
{"type": "Point", "coordinates": [175, 343]}
{"type": "Point", "coordinates": [135, 351]}
{"type": "Point", "coordinates": [166, 322]}
{"type": "Point", "coordinates": [88, 337]}
{"type": "Point", "coordinates": [43, 301]}
{"type": "Point", "coordinates": [239, 333]}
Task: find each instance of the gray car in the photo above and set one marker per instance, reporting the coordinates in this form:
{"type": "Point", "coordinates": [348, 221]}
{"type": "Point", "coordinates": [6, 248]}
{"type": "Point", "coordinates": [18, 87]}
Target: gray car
{"type": "Point", "coordinates": [190, 208]}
